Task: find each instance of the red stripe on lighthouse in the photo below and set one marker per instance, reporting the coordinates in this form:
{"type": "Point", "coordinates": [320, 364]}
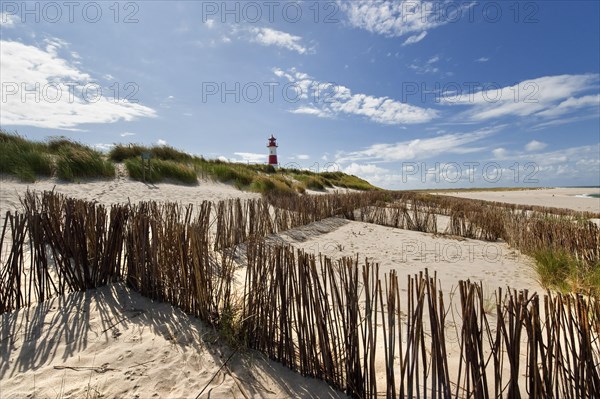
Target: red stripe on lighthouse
{"type": "Point", "coordinates": [272, 159]}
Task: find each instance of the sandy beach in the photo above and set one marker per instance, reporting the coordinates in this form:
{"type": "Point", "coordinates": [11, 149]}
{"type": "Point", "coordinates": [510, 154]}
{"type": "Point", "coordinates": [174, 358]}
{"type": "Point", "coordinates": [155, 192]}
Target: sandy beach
{"type": "Point", "coordinates": [112, 342]}
{"type": "Point", "coordinates": [306, 199]}
{"type": "Point", "coordinates": [568, 198]}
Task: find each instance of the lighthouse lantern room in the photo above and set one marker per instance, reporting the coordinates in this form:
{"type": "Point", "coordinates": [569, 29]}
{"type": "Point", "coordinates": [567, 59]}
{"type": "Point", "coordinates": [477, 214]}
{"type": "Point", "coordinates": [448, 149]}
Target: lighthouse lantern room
{"type": "Point", "coordinates": [272, 146]}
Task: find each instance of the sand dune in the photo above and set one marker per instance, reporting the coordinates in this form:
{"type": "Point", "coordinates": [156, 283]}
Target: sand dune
{"type": "Point", "coordinates": [121, 190]}
{"type": "Point", "coordinates": [409, 252]}
{"type": "Point", "coordinates": [114, 343]}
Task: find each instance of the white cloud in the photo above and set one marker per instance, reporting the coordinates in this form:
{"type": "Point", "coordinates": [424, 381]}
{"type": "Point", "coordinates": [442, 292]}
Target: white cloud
{"type": "Point", "coordinates": [331, 100]}
{"type": "Point", "coordinates": [8, 20]}
{"type": "Point", "coordinates": [565, 158]}
{"type": "Point", "coordinates": [303, 157]}
{"type": "Point", "coordinates": [428, 67]}
{"type": "Point", "coordinates": [364, 169]}
{"type": "Point", "coordinates": [499, 152]}
{"type": "Point", "coordinates": [103, 147]}
{"type": "Point", "coordinates": [457, 143]}
{"type": "Point", "coordinates": [272, 37]}
{"type": "Point", "coordinates": [279, 72]}
{"type": "Point", "coordinates": [535, 145]}
{"type": "Point", "coordinates": [251, 157]}
{"type": "Point", "coordinates": [65, 98]}
{"type": "Point", "coordinates": [577, 165]}
{"type": "Point", "coordinates": [564, 121]}
{"type": "Point", "coordinates": [546, 97]}
{"type": "Point", "coordinates": [311, 110]}
{"type": "Point", "coordinates": [161, 142]}
{"type": "Point", "coordinates": [482, 59]}
{"type": "Point", "coordinates": [571, 104]}
{"type": "Point", "coordinates": [414, 39]}
{"type": "Point", "coordinates": [127, 134]}
{"type": "Point", "coordinates": [210, 23]}
{"type": "Point", "coordinates": [394, 18]}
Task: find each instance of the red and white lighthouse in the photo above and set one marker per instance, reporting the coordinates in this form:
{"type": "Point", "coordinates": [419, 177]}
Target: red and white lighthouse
{"type": "Point", "coordinates": [272, 146]}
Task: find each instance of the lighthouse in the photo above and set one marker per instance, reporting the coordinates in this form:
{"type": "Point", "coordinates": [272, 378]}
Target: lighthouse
{"type": "Point", "coordinates": [272, 146]}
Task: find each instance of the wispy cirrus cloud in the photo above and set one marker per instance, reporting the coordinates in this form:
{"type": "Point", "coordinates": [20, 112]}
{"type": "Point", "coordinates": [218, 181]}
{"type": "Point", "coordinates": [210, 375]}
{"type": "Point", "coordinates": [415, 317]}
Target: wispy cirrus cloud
{"type": "Point", "coordinates": [272, 37]}
{"type": "Point", "coordinates": [571, 104]}
{"type": "Point", "coordinates": [431, 66]}
{"type": "Point", "coordinates": [568, 154]}
{"type": "Point", "coordinates": [43, 89]}
{"type": "Point", "coordinates": [414, 39]}
{"type": "Point", "coordinates": [546, 97]}
{"type": "Point", "coordinates": [547, 101]}
{"type": "Point", "coordinates": [456, 143]}
{"type": "Point", "coordinates": [574, 162]}
{"type": "Point", "coordinates": [329, 100]}
{"type": "Point", "coordinates": [311, 110]}
{"type": "Point", "coordinates": [565, 121]}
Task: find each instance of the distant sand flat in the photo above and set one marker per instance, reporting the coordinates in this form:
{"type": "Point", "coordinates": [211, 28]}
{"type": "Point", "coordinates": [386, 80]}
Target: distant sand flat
{"type": "Point", "coordinates": [553, 197]}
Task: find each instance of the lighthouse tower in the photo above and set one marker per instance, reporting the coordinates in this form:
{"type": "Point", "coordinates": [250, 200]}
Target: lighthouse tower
{"type": "Point", "coordinates": [272, 146]}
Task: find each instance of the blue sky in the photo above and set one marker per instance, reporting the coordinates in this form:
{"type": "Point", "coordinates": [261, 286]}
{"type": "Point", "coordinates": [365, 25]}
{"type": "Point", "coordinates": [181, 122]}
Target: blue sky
{"type": "Point", "coordinates": [403, 93]}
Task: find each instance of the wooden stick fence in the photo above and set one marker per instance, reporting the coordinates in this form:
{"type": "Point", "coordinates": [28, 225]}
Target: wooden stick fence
{"type": "Point", "coordinates": [335, 320]}
{"type": "Point", "coordinates": [327, 320]}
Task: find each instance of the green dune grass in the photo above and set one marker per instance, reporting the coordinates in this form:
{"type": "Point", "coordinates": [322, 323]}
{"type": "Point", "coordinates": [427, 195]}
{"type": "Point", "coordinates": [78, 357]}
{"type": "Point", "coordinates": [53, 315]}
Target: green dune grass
{"type": "Point", "coordinates": [71, 161]}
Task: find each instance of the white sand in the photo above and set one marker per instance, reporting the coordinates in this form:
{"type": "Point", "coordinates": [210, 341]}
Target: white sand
{"type": "Point", "coordinates": [151, 349]}
{"type": "Point", "coordinates": [552, 197]}
{"type": "Point", "coordinates": [121, 190]}
{"type": "Point", "coordinates": [114, 343]}
{"type": "Point", "coordinates": [495, 265]}
{"type": "Point", "coordinates": [409, 252]}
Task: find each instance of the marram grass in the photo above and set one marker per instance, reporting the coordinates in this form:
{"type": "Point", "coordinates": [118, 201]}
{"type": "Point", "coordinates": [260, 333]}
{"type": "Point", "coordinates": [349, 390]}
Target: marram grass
{"type": "Point", "coordinates": [71, 161]}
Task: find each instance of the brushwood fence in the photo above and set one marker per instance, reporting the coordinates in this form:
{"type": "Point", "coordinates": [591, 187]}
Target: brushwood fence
{"type": "Point", "coordinates": [340, 320]}
{"type": "Point", "coordinates": [527, 228]}
{"type": "Point", "coordinates": [336, 320]}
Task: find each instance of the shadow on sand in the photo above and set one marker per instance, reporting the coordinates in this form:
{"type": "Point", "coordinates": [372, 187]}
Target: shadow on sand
{"type": "Point", "coordinates": [58, 331]}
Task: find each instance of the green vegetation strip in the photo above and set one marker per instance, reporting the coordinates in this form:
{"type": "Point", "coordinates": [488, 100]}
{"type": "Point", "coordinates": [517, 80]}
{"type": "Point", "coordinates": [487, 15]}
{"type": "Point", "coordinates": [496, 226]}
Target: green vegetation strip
{"type": "Point", "coordinates": [71, 161]}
